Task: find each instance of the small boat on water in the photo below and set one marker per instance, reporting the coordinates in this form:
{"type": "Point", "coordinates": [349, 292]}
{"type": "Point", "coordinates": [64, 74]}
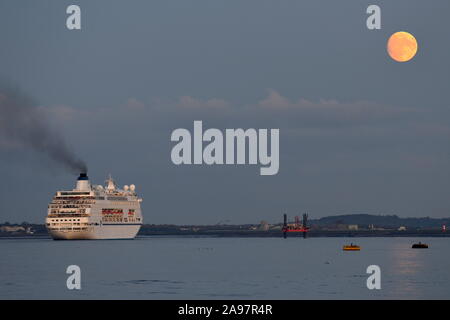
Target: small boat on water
{"type": "Point", "coordinates": [420, 245]}
{"type": "Point", "coordinates": [351, 247]}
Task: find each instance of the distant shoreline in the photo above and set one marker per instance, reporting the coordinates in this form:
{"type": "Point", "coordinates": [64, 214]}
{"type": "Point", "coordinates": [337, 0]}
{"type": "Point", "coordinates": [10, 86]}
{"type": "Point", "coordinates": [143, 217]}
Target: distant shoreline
{"type": "Point", "coordinates": [311, 234]}
{"type": "Point", "coordinates": [210, 233]}
{"type": "Point", "coordinates": [349, 225]}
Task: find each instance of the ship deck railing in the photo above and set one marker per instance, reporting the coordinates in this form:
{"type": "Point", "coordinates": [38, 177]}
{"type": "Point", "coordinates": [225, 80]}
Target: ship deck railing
{"type": "Point", "coordinates": [68, 215]}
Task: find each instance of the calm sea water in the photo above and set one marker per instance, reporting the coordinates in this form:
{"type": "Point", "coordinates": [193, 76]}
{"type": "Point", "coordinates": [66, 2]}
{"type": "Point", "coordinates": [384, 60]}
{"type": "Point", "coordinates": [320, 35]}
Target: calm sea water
{"type": "Point", "coordinates": [224, 268]}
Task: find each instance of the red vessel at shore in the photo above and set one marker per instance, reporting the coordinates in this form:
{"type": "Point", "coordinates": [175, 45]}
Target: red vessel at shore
{"type": "Point", "coordinates": [297, 226]}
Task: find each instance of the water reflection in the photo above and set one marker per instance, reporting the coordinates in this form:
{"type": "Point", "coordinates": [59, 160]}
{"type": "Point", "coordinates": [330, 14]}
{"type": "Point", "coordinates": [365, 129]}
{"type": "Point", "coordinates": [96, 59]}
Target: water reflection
{"type": "Point", "coordinates": [404, 276]}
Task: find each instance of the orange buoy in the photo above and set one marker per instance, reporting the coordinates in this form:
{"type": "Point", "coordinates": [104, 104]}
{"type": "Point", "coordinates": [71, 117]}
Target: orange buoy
{"type": "Point", "coordinates": [351, 247]}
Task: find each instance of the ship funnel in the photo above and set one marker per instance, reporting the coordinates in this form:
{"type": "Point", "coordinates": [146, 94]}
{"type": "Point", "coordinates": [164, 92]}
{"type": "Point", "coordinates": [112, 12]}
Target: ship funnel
{"type": "Point", "coordinates": [83, 182]}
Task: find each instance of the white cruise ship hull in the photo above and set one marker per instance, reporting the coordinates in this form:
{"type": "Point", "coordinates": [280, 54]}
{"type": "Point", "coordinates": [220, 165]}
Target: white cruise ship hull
{"type": "Point", "coordinates": [112, 231]}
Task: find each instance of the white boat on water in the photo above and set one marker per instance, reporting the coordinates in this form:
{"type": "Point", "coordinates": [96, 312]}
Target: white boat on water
{"type": "Point", "coordinates": [94, 212]}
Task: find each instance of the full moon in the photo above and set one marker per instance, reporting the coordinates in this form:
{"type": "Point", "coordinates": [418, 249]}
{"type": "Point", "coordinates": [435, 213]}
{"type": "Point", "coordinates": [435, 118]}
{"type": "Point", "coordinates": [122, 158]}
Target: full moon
{"type": "Point", "coordinates": [402, 46]}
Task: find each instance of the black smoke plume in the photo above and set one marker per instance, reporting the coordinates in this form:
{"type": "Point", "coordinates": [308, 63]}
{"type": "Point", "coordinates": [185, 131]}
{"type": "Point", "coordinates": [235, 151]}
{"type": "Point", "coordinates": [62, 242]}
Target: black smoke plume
{"type": "Point", "coordinates": [22, 123]}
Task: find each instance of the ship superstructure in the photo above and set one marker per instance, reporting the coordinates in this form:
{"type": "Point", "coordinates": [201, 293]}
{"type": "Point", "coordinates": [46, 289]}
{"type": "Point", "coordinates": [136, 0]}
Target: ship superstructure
{"type": "Point", "coordinates": [94, 212]}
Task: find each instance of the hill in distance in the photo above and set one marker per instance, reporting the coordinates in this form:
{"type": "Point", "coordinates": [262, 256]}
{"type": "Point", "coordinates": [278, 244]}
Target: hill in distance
{"type": "Point", "coordinates": [383, 221]}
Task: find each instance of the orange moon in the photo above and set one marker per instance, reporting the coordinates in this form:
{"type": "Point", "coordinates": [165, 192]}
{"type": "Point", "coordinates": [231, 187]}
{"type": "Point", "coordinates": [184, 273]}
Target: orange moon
{"type": "Point", "coordinates": [402, 46]}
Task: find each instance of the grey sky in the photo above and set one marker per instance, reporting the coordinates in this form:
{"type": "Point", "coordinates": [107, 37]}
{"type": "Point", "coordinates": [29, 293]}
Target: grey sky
{"type": "Point", "coordinates": [358, 131]}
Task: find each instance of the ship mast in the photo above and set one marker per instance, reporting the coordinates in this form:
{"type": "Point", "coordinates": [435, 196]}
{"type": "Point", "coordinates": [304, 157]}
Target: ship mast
{"type": "Point", "coordinates": [110, 184]}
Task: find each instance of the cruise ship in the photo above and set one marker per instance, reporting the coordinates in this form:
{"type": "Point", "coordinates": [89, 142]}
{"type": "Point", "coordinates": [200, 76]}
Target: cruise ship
{"type": "Point", "coordinates": [94, 212]}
